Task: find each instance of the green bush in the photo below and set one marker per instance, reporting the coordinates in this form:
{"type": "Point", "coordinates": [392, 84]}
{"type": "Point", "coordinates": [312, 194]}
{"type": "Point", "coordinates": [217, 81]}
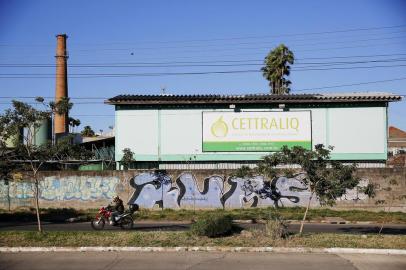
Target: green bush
{"type": "Point", "coordinates": [213, 225]}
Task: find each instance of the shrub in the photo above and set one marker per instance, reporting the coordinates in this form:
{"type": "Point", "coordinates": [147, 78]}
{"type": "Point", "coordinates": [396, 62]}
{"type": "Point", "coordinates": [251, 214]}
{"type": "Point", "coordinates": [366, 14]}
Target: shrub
{"type": "Point", "coordinates": [275, 228]}
{"type": "Point", "coordinates": [213, 225]}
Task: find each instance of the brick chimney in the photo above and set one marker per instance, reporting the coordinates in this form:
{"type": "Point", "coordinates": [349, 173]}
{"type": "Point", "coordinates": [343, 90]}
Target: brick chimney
{"type": "Point", "coordinates": [61, 89]}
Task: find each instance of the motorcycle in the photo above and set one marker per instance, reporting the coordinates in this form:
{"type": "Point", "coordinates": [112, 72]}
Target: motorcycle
{"type": "Point", "coordinates": [125, 220]}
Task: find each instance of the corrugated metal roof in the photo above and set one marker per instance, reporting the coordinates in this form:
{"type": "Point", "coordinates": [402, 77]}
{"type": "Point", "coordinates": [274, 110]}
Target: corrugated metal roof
{"type": "Point", "coordinates": [253, 98]}
{"type": "Point", "coordinates": [95, 139]}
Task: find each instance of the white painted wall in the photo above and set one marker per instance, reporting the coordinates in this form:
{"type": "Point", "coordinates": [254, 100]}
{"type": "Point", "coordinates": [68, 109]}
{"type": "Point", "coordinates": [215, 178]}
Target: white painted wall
{"type": "Point", "coordinates": [357, 130]}
{"type": "Point", "coordinates": [181, 131]}
{"type": "Point", "coordinates": [137, 130]}
{"type": "Point", "coordinates": [350, 130]}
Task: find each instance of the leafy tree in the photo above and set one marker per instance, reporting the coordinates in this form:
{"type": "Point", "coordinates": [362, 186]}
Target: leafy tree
{"type": "Point", "coordinates": [326, 179]}
{"type": "Point", "coordinates": [87, 132]}
{"type": "Point", "coordinates": [7, 168]}
{"type": "Point", "coordinates": [65, 150]}
{"type": "Point", "coordinates": [277, 66]}
{"type": "Point", "coordinates": [243, 172]}
{"type": "Point", "coordinates": [61, 107]}
{"type": "Point", "coordinates": [26, 156]}
{"type": "Point", "coordinates": [127, 159]}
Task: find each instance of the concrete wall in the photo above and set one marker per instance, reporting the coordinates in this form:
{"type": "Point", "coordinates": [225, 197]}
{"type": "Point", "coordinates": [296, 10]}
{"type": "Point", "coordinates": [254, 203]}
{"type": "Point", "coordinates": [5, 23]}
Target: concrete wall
{"type": "Point", "coordinates": [189, 189]}
{"type": "Point", "coordinates": [357, 133]}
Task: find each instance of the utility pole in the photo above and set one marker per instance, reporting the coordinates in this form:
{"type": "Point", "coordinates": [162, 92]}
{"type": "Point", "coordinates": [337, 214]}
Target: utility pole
{"type": "Point", "coordinates": [163, 90]}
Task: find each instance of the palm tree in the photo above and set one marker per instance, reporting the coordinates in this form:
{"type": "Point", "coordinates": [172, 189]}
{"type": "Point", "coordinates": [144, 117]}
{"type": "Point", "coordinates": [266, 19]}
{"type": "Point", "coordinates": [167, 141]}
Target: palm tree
{"type": "Point", "coordinates": [74, 123]}
{"type": "Point", "coordinates": [277, 66]}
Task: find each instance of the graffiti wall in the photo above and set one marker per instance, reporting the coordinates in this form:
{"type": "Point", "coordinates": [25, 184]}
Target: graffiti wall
{"type": "Point", "coordinates": [181, 189]}
{"type": "Point", "coordinates": [78, 188]}
{"type": "Point", "coordinates": [54, 189]}
{"type": "Point", "coordinates": [216, 191]}
{"type": "Point", "coordinates": [59, 189]}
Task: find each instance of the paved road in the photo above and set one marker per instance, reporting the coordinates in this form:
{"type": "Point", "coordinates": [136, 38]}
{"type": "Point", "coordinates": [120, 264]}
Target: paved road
{"type": "Point", "coordinates": [197, 260]}
{"type": "Point", "coordinates": [179, 226]}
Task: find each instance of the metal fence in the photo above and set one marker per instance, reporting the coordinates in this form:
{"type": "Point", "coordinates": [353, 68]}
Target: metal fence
{"type": "Point", "coordinates": [231, 166]}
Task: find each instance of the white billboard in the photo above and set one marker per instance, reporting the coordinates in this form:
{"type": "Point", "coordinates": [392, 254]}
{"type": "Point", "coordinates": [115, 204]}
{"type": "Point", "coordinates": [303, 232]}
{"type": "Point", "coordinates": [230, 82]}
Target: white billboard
{"type": "Point", "coordinates": [256, 131]}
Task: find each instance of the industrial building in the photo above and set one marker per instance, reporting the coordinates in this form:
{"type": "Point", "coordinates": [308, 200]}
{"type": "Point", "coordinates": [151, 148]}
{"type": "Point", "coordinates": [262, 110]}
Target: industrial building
{"type": "Point", "coordinates": [167, 131]}
{"type": "Point", "coordinates": [396, 141]}
{"type": "Point", "coordinates": [397, 147]}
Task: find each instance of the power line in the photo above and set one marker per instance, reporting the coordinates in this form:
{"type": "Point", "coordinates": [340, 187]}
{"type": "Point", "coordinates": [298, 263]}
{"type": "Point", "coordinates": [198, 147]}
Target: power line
{"type": "Point", "coordinates": [270, 36]}
{"type": "Point", "coordinates": [228, 49]}
{"type": "Point", "coordinates": [48, 97]}
{"type": "Point", "coordinates": [246, 54]}
{"type": "Point", "coordinates": [112, 75]}
{"type": "Point", "coordinates": [209, 61]}
{"type": "Point", "coordinates": [295, 90]}
{"type": "Point", "coordinates": [197, 65]}
{"type": "Point", "coordinates": [346, 68]}
{"type": "Point", "coordinates": [75, 103]}
{"type": "Point", "coordinates": [352, 84]}
{"type": "Point", "coordinates": [200, 51]}
{"type": "Point", "coordinates": [217, 56]}
{"type": "Point", "coordinates": [269, 43]}
{"type": "Point", "coordinates": [220, 39]}
{"type": "Point", "coordinates": [351, 56]}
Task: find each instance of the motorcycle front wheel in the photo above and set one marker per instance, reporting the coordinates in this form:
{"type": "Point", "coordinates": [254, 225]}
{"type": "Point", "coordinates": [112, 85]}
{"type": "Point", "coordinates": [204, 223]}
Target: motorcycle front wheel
{"type": "Point", "coordinates": [127, 223]}
{"type": "Point", "coordinates": [98, 224]}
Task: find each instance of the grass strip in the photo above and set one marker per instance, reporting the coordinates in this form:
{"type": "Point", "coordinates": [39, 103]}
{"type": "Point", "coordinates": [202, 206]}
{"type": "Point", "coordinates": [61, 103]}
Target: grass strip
{"type": "Point", "coordinates": [174, 239]}
{"type": "Point", "coordinates": [290, 213]}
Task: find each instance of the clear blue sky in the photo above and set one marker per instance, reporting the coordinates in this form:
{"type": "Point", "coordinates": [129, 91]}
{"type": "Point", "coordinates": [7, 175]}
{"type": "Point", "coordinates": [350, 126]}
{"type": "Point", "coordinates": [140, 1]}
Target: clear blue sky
{"type": "Point", "coordinates": [214, 32]}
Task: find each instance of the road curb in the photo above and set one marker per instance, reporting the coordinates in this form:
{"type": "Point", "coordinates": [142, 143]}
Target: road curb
{"type": "Point", "coordinates": [207, 249]}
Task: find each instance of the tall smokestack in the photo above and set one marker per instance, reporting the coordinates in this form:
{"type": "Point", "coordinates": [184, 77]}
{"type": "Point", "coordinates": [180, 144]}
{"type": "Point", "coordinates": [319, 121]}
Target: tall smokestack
{"type": "Point", "coordinates": [61, 89]}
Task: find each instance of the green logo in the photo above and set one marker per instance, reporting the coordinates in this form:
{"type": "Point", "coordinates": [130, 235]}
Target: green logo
{"type": "Point", "coordinates": [219, 128]}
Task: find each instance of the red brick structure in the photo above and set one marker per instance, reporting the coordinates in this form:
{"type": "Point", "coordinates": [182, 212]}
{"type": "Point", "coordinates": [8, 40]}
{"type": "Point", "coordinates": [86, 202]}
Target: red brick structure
{"type": "Point", "coordinates": [61, 88]}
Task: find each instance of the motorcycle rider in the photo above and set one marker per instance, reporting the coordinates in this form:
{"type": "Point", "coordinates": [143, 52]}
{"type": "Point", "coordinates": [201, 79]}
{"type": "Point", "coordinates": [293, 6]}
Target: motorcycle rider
{"type": "Point", "coordinates": [117, 208]}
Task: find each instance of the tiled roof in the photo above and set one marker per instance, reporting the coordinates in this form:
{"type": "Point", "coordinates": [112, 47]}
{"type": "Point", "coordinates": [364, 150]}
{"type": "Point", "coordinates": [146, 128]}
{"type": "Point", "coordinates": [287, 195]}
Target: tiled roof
{"type": "Point", "coordinates": [253, 98]}
{"type": "Point", "coordinates": [396, 133]}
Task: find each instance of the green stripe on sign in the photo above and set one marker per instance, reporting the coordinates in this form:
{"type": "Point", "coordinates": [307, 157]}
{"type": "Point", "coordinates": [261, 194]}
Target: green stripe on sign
{"type": "Point", "coordinates": [252, 146]}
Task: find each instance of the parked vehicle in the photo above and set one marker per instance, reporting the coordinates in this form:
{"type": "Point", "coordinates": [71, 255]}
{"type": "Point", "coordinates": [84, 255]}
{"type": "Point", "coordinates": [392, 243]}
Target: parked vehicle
{"type": "Point", "coordinates": [125, 220]}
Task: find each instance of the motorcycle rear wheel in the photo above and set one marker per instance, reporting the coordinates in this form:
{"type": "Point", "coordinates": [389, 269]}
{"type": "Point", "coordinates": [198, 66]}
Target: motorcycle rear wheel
{"type": "Point", "coordinates": [98, 224]}
{"type": "Point", "coordinates": [127, 223]}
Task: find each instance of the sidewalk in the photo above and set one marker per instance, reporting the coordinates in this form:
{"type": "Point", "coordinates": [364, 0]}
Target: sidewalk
{"type": "Point", "coordinates": [207, 249]}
